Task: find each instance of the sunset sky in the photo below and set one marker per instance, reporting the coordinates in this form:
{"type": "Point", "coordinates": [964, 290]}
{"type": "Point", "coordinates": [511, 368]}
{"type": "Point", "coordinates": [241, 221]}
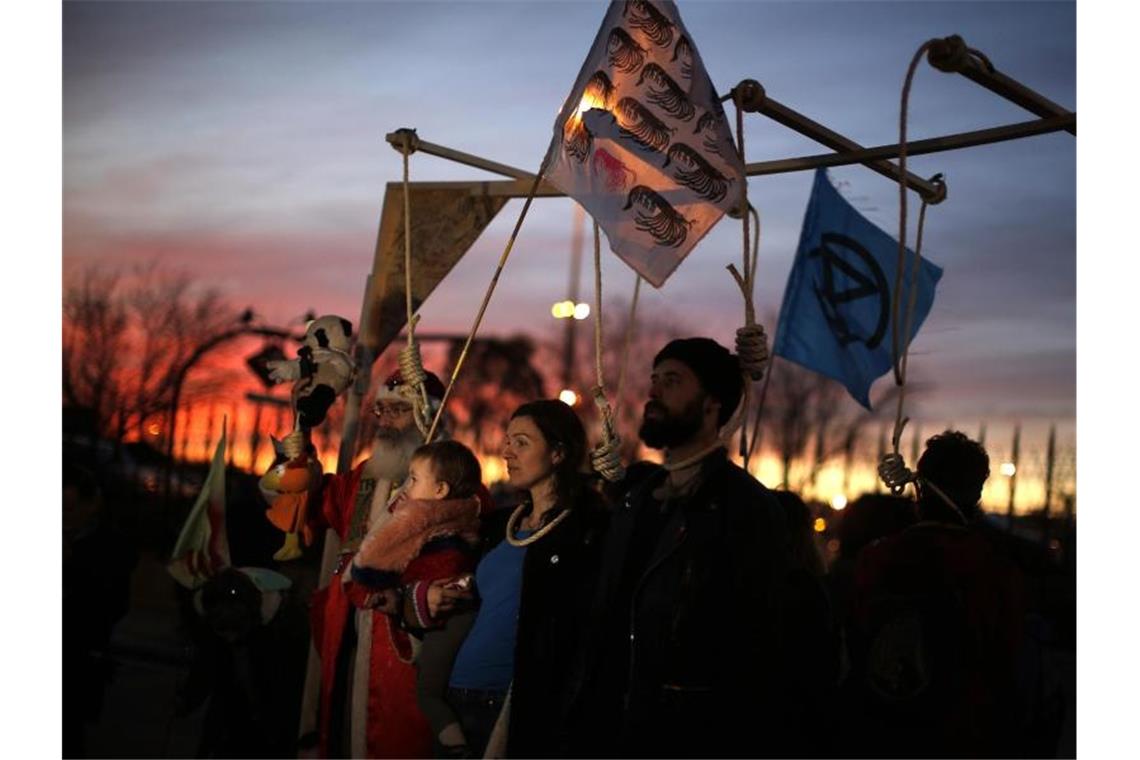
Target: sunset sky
{"type": "Point", "coordinates": [243, 142]}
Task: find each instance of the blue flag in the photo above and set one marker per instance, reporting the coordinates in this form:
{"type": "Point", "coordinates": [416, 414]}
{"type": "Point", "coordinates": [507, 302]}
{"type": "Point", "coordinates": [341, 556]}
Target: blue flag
{"type": "Point", "coordinates": [836, 315]}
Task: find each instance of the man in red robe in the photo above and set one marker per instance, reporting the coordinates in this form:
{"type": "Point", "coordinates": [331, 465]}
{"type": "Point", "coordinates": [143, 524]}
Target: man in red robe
{"type": "Point", "coordinates": [367, 702]}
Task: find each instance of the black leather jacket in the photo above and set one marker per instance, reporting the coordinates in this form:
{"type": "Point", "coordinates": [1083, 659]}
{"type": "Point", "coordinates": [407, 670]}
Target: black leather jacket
{"type": "Point", "coordinates": [698, 641]}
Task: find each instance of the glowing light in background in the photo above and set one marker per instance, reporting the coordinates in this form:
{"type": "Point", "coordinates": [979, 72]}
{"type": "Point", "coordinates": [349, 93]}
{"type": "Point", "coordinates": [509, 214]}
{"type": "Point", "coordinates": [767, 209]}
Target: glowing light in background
{"type": "Point", "coordinates": [1008, 469]}
{"type": "Point", "coordinates": [820, 525]}
{"type": "Point", "coordinates": [154, 428]}
{"type": "Point", "coordinates": [494, 469]}
{"type": "Point", "coordinates": [568, 309]}
{"type": "Point", "coordinates": [838, 502]}
{"type": "Point", "coordinates": [562, 310]}
{"type": "Point", "coordinates": [568, 397]}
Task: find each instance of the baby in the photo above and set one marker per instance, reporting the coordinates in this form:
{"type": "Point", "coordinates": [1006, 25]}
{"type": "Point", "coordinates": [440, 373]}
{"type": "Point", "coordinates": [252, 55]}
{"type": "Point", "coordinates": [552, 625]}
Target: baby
{"type": "Point", "coordinates": [431, 534]}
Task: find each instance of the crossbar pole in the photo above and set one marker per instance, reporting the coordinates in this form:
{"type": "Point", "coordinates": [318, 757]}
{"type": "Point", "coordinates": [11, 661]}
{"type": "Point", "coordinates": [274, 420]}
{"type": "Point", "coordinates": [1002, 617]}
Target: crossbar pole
{"type": "Point", "coordinates": [782, 114]}
{"type": "Point", "coordinates": [942, 57]}
{"type": "Point", "coordinates": [396, 140]}
{"type": "Point", "coordinates": [519, 187]}
{"type": "Point", "coordinates": [917, 147]}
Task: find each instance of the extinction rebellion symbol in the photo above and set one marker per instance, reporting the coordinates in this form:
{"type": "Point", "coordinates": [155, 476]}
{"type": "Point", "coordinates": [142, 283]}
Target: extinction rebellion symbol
{"type": "Point", "coordinates": [846, 255]}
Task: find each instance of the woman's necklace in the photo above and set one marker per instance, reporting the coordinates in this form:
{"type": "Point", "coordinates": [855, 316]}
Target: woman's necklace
{"type": "Point", "coordinates": [538, 534]}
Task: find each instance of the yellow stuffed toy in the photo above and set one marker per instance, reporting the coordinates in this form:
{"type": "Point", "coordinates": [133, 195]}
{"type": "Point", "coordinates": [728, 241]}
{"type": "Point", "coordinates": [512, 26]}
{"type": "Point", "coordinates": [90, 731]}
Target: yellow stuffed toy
{"type": "Point", "coordinates": [290, 485]}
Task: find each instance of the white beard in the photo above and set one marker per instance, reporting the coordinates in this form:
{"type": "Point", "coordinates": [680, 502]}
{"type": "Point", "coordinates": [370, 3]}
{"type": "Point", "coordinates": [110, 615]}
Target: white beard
{"type": "Point", "coordinates": [390, 456]}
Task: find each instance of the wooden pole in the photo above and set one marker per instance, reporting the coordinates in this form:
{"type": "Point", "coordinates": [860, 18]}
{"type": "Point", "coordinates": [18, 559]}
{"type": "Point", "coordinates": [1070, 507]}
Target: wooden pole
{"type": "Point", "coordinates": [310, 697]}
{"type": "Point", "coordinates": [184, 444]}
{"type": "Point", "coordinates": [882, 453]}
{"type": "Point", "coordinates": [1050, 462]}
{"type": "Point", "coordinates": [916, 445]}
{"type": "Point", "coordinates": [1014, 458]}
{"type": "Point", "coordinates": [848, 456]}
{"type": "Point", "coordinates": [209, 439]}
{"type": "Point", "coordinates": [577, 239]}
{"type": "Point", "coordinates": [231, 435]}
{"type": "Point", "coordinates": [255, 436]}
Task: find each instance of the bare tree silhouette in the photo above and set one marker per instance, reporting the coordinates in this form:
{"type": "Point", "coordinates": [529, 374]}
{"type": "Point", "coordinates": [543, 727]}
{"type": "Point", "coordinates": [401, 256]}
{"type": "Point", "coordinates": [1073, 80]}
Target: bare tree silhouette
{"type": "Point", "coordinates": [125, 337]}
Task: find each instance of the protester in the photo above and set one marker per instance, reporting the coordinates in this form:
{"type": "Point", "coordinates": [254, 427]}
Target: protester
{"type": "Point", "coordinates": [938, 616]}
{"type": "Point", "coordinates": [248, 663]}
{"type": "Point", "coordinates": [98, 559]}
{"type": "Point", "coordinates": [811, 648]}
{"type": "Point", "coordinates": [367, 704]}
{"type": "Point", "coordinates": [433, 533]}
{"type": "Point", "coordinates": [534, 584]}
{"type": "Point", "coordinates": [684, 642]}
{"type": "Point", "coordinates": [865, 520]}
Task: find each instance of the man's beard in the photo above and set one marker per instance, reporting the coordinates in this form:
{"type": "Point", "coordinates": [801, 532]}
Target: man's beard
{"type": "Point", "coordinates": [668, 431]}
{"type": "Point", "coordinates": [392, 451]}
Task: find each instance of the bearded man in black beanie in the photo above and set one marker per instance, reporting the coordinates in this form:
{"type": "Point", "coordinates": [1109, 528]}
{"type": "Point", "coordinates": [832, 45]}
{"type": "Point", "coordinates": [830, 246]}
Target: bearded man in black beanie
{"type": "Point", "coordinates": [683, 656]}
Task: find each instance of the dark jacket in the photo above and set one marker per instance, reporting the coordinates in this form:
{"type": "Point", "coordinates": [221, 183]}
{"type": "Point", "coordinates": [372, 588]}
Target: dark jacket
{"type": "Point", "coordinates": [688, 664]}
{"type": "Point", "coordinates": [558, 583]}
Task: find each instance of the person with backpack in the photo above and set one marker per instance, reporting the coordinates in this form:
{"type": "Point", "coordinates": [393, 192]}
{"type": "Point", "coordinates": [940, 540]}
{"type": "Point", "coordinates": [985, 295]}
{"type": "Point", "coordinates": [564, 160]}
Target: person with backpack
{"type": "Point", "coordinates": [937, 615]}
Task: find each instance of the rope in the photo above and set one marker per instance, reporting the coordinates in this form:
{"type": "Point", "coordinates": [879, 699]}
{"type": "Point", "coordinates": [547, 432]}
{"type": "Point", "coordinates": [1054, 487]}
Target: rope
{"type": "Point", "coordinates": [513, 521]}
{"type": "Point", "coordinates": [751, 341]}
{"type": "Point", "coordinates": [895, 474]}
{"type": "Point", "coordinates": [598, 306]}
{"type": "Point", "coordinates": [691, 460]}
{"type": "Point", "coordinates": [487, 296]}
{"type": "Point", "coordinates": [629, 329]}
{"type": "Point", "coordinates": [902, 209]}
{"type": "Point", "coordinates": [754, 440]}
{"type": "Point", "coordinates": [606, 456]}
{"type": "Point", "coordinates": [410, 361]}
{"type": "Point", "coordinates": [892, 468]}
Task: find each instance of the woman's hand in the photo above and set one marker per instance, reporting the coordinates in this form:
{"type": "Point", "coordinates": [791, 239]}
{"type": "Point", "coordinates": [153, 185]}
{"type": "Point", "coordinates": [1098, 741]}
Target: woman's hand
{"type": "Point", "coordinates": [445, 594]}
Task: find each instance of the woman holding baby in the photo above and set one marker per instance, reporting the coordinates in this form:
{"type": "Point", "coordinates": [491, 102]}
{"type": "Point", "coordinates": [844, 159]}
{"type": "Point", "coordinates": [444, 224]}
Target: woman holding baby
{"type": "Point", "coordinates": [533, 585]}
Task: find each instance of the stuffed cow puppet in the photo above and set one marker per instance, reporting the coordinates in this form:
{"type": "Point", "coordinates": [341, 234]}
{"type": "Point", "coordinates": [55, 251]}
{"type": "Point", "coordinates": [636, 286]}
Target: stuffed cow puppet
{"type": "Point", "coordinates": [322, 371]}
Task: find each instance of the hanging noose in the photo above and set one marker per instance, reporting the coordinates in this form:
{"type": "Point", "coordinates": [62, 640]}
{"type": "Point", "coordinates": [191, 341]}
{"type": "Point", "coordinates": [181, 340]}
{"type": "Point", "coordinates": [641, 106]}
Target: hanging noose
{"type": "Point", "coordinates": [606, 456]}
{"type": "Point", "coordinates": [751, 340]}
{"type": "Point", "coordinates": [410, 361]}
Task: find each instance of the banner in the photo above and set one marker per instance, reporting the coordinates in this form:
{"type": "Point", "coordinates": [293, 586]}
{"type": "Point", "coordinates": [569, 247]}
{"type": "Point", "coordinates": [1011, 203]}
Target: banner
{"type": "Point", "coordinates": [446, 221]}
{"type": "Point", "coordinates": [202, 549]}
{"type": "Point", "coordinates": [836, 314]}
{"type": "Point", "coordinates": [642, 141]}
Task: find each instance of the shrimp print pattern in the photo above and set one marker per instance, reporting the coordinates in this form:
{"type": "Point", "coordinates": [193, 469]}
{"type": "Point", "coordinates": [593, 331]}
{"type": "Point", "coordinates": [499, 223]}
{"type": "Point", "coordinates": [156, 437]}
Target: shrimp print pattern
{"type": "Point", "coordinates": [666, 93]}
{"type": "Point", "coordinates": [642, 15]}
{"type": "Point", "coordinates": [697, 174]}
{"type": "Point", "coordinates": [657, 217]}
{"type": "Point", "coordinates": [642, 141]}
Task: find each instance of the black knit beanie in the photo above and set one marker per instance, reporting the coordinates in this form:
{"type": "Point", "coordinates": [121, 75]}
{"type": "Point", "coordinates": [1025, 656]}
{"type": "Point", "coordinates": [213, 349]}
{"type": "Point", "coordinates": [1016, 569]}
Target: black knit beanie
{"type": "Point", "coordinates": [717, 369]}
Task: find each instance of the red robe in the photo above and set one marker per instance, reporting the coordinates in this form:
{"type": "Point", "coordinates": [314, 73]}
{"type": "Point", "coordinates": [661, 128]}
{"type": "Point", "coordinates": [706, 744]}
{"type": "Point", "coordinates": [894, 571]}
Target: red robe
{"type": "Point", "coordinates": [394, 725]}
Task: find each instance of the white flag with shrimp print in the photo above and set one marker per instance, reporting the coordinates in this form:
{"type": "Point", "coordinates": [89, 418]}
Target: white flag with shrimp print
{"type": "Point", "coordinates": [642, 141]}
